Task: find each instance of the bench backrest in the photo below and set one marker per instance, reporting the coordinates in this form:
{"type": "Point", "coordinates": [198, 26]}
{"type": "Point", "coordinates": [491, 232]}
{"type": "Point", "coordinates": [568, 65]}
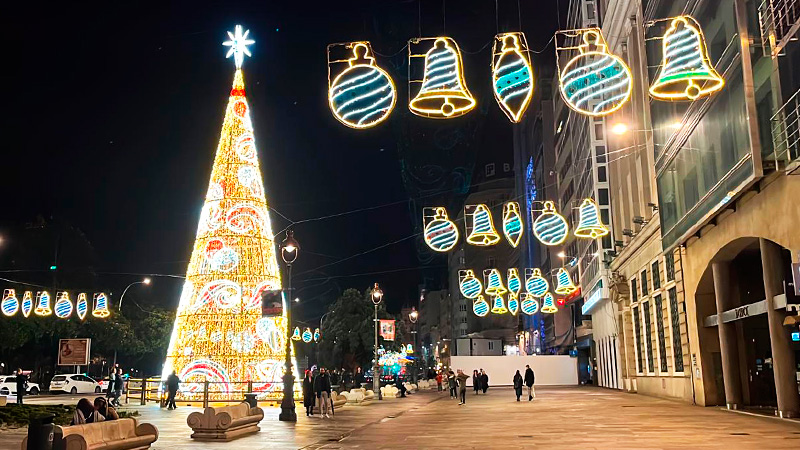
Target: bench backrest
{"type": "Point", "coordinates": [110, 430]}
{"type": "Point", "coordinates": [235, 411]}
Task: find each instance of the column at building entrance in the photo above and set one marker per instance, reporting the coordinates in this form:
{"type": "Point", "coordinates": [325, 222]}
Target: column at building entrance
{"type": "Point", "coordinates": [725, 295]}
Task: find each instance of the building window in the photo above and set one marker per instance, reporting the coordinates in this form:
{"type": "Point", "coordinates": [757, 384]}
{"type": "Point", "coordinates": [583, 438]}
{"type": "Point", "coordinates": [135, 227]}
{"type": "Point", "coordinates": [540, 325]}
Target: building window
{"type": "Point", "coordinates": [462, 260]}
{"type": "Point", "coordinates": [602, 195]}
{"type": "Point", "coordinates": [634, 291]}
{"type": "Point", "coordinates": [491, 345]}
{"type": "Point", "coordinates": [648, 330]}
{"type": "Point", "coordinates": [506, 167]}
{"type": "Point", "coordinates": [463, 320]}
{"type": "Point", "coordinates": [669, 263]}
{"type": "Point", "coordinates": [643, 281]}
{"type": "Point", "coordinates": [602, 177]}
{"type": "Point", "coordinates": [462, 308]}
{"type": "Point", "coordinates": [491, 262]}
{"type": "Point", "coordinates": [637, 325]}
{"type": "Point", "coordinates": [490, 169]}
{"type": "Point", "coordinates": [600, 154]}
{"type": "Point", "coordinates": [656, 276]}
{"type": "Point", "coordinates": [598, 131]}
{"type": "Point", "coordinates": [662, 343]}
{"type": "Point", "coordinates": [677, 347]}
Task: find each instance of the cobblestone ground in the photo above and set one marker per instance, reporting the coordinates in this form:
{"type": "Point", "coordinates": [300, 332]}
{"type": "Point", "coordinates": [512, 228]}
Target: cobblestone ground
{"type": "Point", "coordinates": [559, 418]}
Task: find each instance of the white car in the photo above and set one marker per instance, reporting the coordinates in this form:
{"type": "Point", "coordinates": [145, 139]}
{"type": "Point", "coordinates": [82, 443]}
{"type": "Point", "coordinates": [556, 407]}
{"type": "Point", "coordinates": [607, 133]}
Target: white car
{"type": "Point", "coordinates": [77, 383]}
{"type": "Point", "coordinates": [8, 386]}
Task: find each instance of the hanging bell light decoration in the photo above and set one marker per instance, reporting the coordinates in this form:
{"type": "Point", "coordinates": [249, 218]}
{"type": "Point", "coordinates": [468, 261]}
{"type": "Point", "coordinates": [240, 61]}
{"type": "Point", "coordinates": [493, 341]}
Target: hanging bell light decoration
{"type": "Point", "coordinates": [63, 306]}
{"type": "Point", "coordinates": [549, 304]}
{"type": "Point", "coordinates": [686, 72]}
{"type": "Point", "coordinates": [82, 306]}
{"type": "Point", "coordinates": [101, 306]}
{"type": "Point", "coordinates": [565, 286]}
{"type": "Point", "coordinates": [589, 223]}
{"type": "Point", "coordinates": [512, 223]}
{"type": "Point", "coordinates": [483, 233]}
{"type": "Point", "coordinates": [535, 283]}
{"type": "Point", "coordinates": [529, 305]}
{"type": "Point", "coordinates": [316, 335]}
{"type": "Point", "coordinates": [550, 228]}
{"type": "Point", "coordinates": [296, 334]}
{"type": "Point", "coordinates": [444, 92]}
{"type": "Point", "coordinates": [513, 281]}
{"type": "Point", "coordinates": [27, 304]}
{"type": "Point", "coordinates": [441, 234]}
{"type": "Point", "coordinates": [594, 82]}
{"type": "Point", "coordinates": [308, 336]}
{"type": "Point", "coordinates": [513, 304]}
{"type": "Point", "coordinates": [494, 282]}
{"type": "Point", "coordinates": [480, 307]}
{"type": "Point", "coordinates": [468, 284]}
{"type": "Point", "coordinates": [43, 304]}
{"type": "Point", "coordinates": [363, 95]}
{"type": "Point", "coordinates": [512, 76]}
{"type": "Point", "coordinates": [10, 304]}
{"type": "Point", "coordinates": [499, 305]}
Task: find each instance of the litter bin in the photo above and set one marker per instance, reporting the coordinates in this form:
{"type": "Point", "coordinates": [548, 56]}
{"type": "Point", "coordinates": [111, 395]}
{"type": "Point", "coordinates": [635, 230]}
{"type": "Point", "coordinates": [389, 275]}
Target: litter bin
{"type": "Point", "coordinates": [40, 432]}
{"type": "Point", "coordinates": [251, 400]}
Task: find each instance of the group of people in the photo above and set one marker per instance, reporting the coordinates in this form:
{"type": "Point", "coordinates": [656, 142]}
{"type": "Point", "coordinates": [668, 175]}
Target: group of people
{"type": "Point", "coordinates": [317, 389]}
{"type": "Point", "coordinates": [88, 412]}
{"type": "Point", "coordinates": [480, 381]}
{"type": "Point", "coordinates": [116, 386]}
{"type": "Point", "coordinates": [457, 383]}
{"type": "Point", "coordinates": [527, 381]}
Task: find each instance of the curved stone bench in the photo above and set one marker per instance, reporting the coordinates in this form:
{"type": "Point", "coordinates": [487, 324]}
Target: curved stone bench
{"type": "Point", "coordinates": [225, 423]}
{"type": "Point", "coordinates": [120, 434]}
{"type": "Point", "coordinates": [337, 400]}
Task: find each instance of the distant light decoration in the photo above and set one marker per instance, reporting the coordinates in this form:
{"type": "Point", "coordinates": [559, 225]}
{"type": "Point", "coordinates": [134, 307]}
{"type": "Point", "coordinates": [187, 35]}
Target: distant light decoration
{"type": "Point", "coordinates": [493, 282]}
{"type": "Point", "coordinates": [589, 224]}
{"type": "Point", "coordinates": [565, 286]}
{"type": "Point", "coordinates": [498, 305]}
{"type": "Point", "coordinates": [482, 233]}
{"type": "Point", "coordinates": [512, 75]}
{"type": "Point", "coordinates": [10, 304]}
{"type": "Point", "coordinates": [27, 303]}
{"type": "Point", "coordinates": [444, 92]}
{"type": "Point", "coordinates": [529, 304]}
{"type": "Point", "coordinates": [238, 45]}
{"type": "Point", "coordinates": [468, 284]}
{"type": "Point", "coordinates": [686, 72]}
{"type": "Point", "coordinates": [549, 304]}
{"type": "Point", "coordinates": [441, 234]}
{"type": "Point", "coordinates": [219, 330]}
{"type": "Point", "coordinates": [101, 306]}
{"type": "Point", "coordinates": [316, 335]}
{"type": "Point", "coordinates": [363, 95]}
{"type": "Point", "coordinates": [535, 283]}
{"type": "Point", "coordinates": [63, 307]}
{"type": "Point", "coordinates": [43, 304]}
{"type": "Point", "coordinates": [82, 306]}
{"type": "Point", "coordinates": [512, 223]}
{"type": "Point", "coordinates": [409, 348]}
{"type": "Point", "coordinates": [308, 336]}
{"type": "Point", "coordinates": [480, 307]}
{"type": "Point", "coordinates": [513, 281]}
{"type": "Point", "coordinates": [513, 304]}
{"type": "Point", "coordinates": [296, 334]}
{"type": "Point", "coordinates": [594, 82]}
{"type": "Point", "coordinates": [550, 227]}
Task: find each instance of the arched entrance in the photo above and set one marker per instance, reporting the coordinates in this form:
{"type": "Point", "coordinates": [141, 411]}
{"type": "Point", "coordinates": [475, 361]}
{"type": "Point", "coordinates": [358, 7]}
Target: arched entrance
{"type": "Point", "coordinates": [749, 359]}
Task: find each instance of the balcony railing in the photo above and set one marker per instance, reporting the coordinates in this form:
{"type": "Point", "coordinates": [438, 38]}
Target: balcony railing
{"type": "Point", "coordinates": [785, 124]}
{"type": "Point", "coordinates": [779, 21]}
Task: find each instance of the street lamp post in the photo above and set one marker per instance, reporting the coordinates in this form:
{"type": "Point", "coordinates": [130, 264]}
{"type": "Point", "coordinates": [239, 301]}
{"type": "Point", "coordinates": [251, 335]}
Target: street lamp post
{"type": "Point", "coordinates": [289, 251]}
{"type": "Point", "coordinates": [145, 281]}
{"type": "Point", "coordinates": [377, 296]}
{"type": "Point", "coordinates": [413, 316]}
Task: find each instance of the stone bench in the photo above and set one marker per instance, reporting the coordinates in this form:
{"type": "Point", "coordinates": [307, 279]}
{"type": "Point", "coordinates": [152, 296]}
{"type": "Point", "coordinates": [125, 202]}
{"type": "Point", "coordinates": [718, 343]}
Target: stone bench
{"type": "Point", "coordinates": [225, 423]}
{"type": "Point", "coordinates": [120, 434]}
{"type": "Point", "coordinates": [389, 392]}
{"type": "Point", "coordinates": [358, 397]}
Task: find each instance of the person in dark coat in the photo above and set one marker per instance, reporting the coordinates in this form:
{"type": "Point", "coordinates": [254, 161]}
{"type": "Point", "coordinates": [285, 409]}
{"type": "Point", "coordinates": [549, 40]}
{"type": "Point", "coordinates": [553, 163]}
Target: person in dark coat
{"type": "Point", "coordinates": [398, 383]}
{"type": "Point", "coordinates": [484, 381]}
{"type": "Point", "coordinates": [22, 385]}
{"type": "Point", "coordinates": [308, 393]}
{"type": "Point", "coordinates": [529, 380]}
{"type": "Point", "coordinates": [451, 383]}
{"type": "Point", "coordinates": [118, 388]}
{"type": "Point", "coordinates": [476, 382]}
{"type": "Point", "coordinates": [359, 378]}
{"type": "Point", "coordinates": [173, 383]}
{"type": "Point", "coordinates": [322, 389]}
{"type": "Point", "coordinates": [518, 384]}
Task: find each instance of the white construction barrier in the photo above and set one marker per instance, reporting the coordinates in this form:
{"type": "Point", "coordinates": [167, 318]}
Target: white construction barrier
{"type": "Point", "coordinates": [549, 370]}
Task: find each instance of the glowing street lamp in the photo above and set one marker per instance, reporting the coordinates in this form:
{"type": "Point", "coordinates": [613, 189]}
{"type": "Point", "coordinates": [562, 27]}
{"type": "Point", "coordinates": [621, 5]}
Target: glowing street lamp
{"type": "Point", "coordinates": [289, 250]}
{"type": "Point", "coordinates": [377, 296]}
{"type": "Point", "coordinates": [413, 316]}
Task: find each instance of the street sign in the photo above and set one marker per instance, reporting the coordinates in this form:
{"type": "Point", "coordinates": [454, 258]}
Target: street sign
{"type": "Point", "coordinates": [74, 352]}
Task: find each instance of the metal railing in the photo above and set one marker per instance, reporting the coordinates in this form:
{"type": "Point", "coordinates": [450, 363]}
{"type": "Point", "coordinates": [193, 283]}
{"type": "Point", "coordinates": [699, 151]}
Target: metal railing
{"type": "Point", "coordinates": [152, 390]}
{"type": "Point", "coordinates": [779, 21]}
{"type": "Point", "coordinates": [785, 124]}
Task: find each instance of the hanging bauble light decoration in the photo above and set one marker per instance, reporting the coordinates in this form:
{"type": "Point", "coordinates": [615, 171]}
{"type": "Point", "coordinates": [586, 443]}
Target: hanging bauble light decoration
{"type": "Point", "coordinates": [549, 304]}
{"type": "Point", "coordinates": [441, 234]}
{"type": "Point", "coordinates": [483, 233]}
{"type": "Point", "coordinates": [316, 334]}
{"type": "Point", "coordinates": [589, 223]}
{"type": "Point", "coordinates": [565, 286]}
{"type": "Point", "coordinates": [513, 281]}
{"type": "Point", "coordinates": [101, 306]}
{"type": "Point", "coordinates": [296, 334]}
{"type": "Point", "coordinates": [468, 284]}
{"type": "Point", "coordinates": [686, 72]}
{"type": "Point", "coordinates": [550, 228]}
{"type": "Point", "coordinates": [535, 283]}
{"type": "Point", "coordinates": [82, 306]}
{"type": "Point", "coordinates": [10, 304]}
{"type": "Point", "coordinates": [27, 303]}
{"type": "Point", "coordinates": [308, 336]}
{"type": "Point", "coordinates": [499, 305]}
{"type": "Point", "coordinates": [528, 305]}
{"type": "Point", "coordinates": [63, 306]}
{"type": "Point", "coordinates": [363, 95]}
{"type": "Point", "coordinates": [512, 223]}
{"type": "Point", "coordinates": [494, 282]}
{"type": "Point", "coordinates": [480, 307]}
{"type": "Point", "coordinates": [444, 92]}
{"type": "Point", "coordinates": [512, 76]}
{"type": "Point", "coordinates": [594, 82]}
{"type": "Point", "coordinates": [43, 304]}
{"type": "Point", "coordinates": [513, 304]}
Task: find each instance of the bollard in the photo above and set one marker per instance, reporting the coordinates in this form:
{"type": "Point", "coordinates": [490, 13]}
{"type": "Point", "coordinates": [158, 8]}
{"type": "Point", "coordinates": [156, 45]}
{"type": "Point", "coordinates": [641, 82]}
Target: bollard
{"type": "Point", "coordinates": [40, 432]}
{"type": "Point", "coordinates": [250, 399]}
{"type": "Point", "coordinates": [143, 394]}
{"type": "Point", "coordinates": [205, 394]}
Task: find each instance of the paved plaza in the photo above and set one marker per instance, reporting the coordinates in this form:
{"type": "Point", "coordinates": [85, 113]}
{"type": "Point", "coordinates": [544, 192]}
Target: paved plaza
{"type": "Point", "coordinates": [559, 418]}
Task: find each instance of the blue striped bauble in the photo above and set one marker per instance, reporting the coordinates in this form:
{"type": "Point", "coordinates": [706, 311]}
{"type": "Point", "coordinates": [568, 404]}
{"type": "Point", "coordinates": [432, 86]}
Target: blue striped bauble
{"type": "Point", "coordinates": [10, 304]}
{"type": "Point", "coordinates": [63, 307]}
{"type": "Point", "coordinates": [550, 228]}
{"type": "Point", "coordinates": [441, 234]}
{"type": "Point", "coordinates": [536, 284]}
{"type": "Point", "coordinates": [480, 307]}
{"type": "Point", "coordinates": [529, 305]}
{"type": "Point", "coordinates": [363, 95]}
{"type": "Point", "coordinates": [470, 286]}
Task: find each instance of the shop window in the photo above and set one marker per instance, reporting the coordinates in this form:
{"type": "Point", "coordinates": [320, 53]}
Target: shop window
{"type": "Point", "coordinates": [656, 276]}
{"type": "Point", "coordinates": [637, 325]}
{"type": "Point", "coordinates": [677, 347]}
{"type": "Point", "coordinates": [662, 343]}
{"type": "Point", "coordinates": [669, 265]}
{"type": "Point", "coordinates": [648, 330]}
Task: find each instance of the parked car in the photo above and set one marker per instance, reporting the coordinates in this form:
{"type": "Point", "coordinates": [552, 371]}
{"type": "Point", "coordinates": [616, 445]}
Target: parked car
{"type": "Point", "coordinates": [77, 383]}
{"type": "Point", "coordinates": [8, 386]}
{"type": "Point", "coordinates": [104, 382]}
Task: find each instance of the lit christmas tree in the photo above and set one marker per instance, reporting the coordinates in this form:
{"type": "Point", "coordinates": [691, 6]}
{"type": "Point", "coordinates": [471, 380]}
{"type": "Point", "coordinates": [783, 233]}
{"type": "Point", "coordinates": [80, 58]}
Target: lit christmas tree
{"type": "Point", "coordinates": [219, 334]}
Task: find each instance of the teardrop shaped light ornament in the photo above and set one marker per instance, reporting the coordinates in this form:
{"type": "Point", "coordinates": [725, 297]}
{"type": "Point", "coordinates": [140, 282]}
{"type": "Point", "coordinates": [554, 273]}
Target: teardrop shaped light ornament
{"type": "Point", "coordinates": [63, 306]}
{"type": "Point", "coordinates": [26, 305]}
{"type": "Point", "coordinates": [549, 304]}
{"type": "Point", "coordinates": [513, 281]}
{"type": "Point", "coordinates": [10, 304]}
{"type": "Point", "coordinates": [316, 334]}
{"type": "Point", "coordinates": [550, 227]}
{"type": "Point", "coordinates": [82, 306]}
{"type": "Point", "coordinates": [535, 283]}
{"type": "Point", "coordinates": [468, 284]}
{"type": "Point", "coordinates": [441, 233]}
{"type": "Point", "coordinates": [494, 282]}
{"type": "Point", "coordinates": [512, 76]}
{"type": "Point", "coordinates": [528, 304]}
{"type": "Point", "coordinates": [480, 307]}
{"type": "Point", "coordinates": [513, 304]}
{"type": "Point", "coordinates": [512, 223]}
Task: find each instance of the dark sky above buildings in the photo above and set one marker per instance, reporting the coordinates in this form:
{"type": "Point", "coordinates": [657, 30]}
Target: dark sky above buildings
{"type": "Point", "coordinates": [112, 114]}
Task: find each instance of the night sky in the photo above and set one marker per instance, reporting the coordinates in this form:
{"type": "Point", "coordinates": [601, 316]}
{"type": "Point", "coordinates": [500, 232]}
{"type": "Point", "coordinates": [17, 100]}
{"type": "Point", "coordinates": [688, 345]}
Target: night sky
{"type": "Point", "coordinates": [113, 112]}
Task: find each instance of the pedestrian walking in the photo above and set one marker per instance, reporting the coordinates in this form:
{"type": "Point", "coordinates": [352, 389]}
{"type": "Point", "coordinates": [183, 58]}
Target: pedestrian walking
{"type": "Point", "coordinates": [118, 387]}
{"type": "Point", "coordinates": [398, 383]}
{"type": "Point", "coordinates": [173, 383]}
{"type": "Point", "coordinates": [322, 387]}
{"type": "Point", "coordinates": [484, 381]}
{"type": "Point", "coordinates": [451, 383]}
{"type": "Point", "coordinates": [476, 382]}
{"type": "Point", "coordinates": [308, 393]}
{"type": "Point", "coordinates": [439, 381]}
{"type": "Point", "coordinates": [529, 380]}
{"type": "Point", "coordinates": [359, 378]}
{"type": "Point", "coordinates": [462, 386]}
{"type": "Point", "coordinates": [518, 384]}
{"type": "Point", "coordinates": [22, 385]}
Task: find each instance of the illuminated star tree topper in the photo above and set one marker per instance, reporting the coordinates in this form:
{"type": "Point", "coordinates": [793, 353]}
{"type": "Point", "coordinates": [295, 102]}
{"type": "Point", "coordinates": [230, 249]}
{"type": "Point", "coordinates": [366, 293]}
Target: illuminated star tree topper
{"type": "Point", "coordinates": [238, 45]}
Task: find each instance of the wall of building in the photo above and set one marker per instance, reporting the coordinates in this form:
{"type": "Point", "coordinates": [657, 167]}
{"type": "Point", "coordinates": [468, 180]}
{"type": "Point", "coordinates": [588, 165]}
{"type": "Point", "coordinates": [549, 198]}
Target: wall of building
{"type": "Point", "coordinates": [549, 370]}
